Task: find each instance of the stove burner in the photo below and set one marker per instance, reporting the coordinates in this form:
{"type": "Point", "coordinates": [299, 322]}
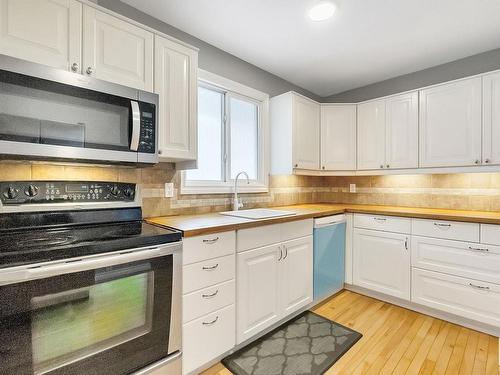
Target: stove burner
{"type": "Point", "coordinates": [45, 241]}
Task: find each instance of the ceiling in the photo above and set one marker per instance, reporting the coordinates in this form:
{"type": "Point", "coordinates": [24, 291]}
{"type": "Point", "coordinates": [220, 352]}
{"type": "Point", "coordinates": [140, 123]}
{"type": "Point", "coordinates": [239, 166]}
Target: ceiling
{"type": "Point", "coordinates": [366, 41]}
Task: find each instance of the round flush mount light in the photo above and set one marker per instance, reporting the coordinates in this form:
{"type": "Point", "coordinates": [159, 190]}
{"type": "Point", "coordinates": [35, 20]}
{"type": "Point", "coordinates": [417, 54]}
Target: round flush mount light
{"type": "Point", "coordinates": [322, 11]}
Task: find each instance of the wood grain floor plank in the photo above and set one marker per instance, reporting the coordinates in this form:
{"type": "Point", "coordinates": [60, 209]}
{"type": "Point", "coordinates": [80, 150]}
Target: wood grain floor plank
{"type": "Point", "coordinates": [398, 341]}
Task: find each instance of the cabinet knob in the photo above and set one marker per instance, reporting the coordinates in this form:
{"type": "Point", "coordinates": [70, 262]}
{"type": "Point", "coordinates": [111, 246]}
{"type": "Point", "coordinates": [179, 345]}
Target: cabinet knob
{"type": "Point", "coordinates": [89, 70]}
{"type": "Point", "coordinates": [323, 167]}
{"type": "Point", "coordinates": [487, 161]}
{"type": "Point", "coordinates": [476, 161]}
{"type": "Point", "coordinates": [381, 166]}
{"type": "Point", "coordinates": [387, 166]}
{"type": "Point", "coordinates": [160, 152]}
{"type": "Point", "coordinates": [296, 165]}
{"type": "Point", "coordinates": [74, 67]}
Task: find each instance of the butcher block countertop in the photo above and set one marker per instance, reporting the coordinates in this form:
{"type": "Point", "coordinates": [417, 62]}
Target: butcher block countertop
{"type": "Point", "coordinates": [194, 225]}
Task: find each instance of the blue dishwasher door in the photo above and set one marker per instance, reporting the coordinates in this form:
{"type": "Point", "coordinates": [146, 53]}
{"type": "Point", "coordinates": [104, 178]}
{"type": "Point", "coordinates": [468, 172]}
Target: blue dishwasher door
{"type": "Point", "coordinates": [329, 260]}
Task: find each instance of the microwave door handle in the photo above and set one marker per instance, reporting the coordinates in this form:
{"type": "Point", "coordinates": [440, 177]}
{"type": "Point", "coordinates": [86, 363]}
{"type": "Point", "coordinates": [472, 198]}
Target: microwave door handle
{"type": "Point", "coordinates": [136, 125]}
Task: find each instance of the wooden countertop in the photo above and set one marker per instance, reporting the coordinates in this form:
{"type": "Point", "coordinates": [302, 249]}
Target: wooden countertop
{"type": "Point", "coordinates": [194, 225]}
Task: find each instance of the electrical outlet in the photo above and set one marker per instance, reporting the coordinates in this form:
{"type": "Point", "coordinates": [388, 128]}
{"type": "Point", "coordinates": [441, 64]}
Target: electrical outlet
{"type": "Point", "coordinates": [169, 189]}
{"type": "Point", "coordinates": [352, 188]}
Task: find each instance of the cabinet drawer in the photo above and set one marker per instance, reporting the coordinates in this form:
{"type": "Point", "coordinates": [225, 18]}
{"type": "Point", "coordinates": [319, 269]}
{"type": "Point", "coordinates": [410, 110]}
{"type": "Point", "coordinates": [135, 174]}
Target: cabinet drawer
{"type": "Point", "coordinates": [296, 229]}
{"type": "Point", "coordinates": [207, 273]}
{"type": "Point", "coordinates": [253, 238]}
{"type": "Point", "coordinates": [205, 301]}
{"type": "Point", "coordinates": [385, 223]}
{"type": "Point", "coordinates": [490, 234]}
{"type": "Point", "coordinates": [452, 230]}
{"type": "Point", "coordinates": [457, 295]}
{"type": "Point", "coordinates": [207, 338]}
{"type": "Point", "coordinates": [476, 261]}
{"type": "Point", "coordinates": [196, 249]}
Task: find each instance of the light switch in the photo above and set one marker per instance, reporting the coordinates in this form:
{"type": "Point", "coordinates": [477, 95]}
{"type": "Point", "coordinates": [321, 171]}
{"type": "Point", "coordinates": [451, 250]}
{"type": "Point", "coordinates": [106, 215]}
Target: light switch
{"type": "Point", "coordinates": [169, 189]}
{"type": "Point", "coordinates": [352, 188]}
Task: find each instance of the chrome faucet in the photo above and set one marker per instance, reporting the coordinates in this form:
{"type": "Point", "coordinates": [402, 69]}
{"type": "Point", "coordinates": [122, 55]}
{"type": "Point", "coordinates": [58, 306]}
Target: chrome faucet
{"type": "Point", "coordinates": [236, 202]}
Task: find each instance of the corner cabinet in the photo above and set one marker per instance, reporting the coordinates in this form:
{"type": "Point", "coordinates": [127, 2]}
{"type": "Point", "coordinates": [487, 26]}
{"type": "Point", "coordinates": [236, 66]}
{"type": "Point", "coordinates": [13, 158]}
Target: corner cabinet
{"type": "Point", "coordinates": [176, 82]}
{"type": "Point", "coordinates": [450, 124]}
{"type": "Point", "coordinates": [338, 137]}
{"type": "Point", "coordinates": [388, 133]}
{"type": "Point", "coordinates": [48, 32]}
{"type": "Point", "coordinates": [295, 133]}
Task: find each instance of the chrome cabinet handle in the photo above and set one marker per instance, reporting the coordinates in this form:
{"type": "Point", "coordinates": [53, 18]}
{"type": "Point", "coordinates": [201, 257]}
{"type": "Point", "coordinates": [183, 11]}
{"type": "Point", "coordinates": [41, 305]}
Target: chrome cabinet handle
{"type": "Point", "coordinates": [281, 252]}
{"type": "Point", "coordinates": [211, 241]}
{"type": "Point", "coordinates": [406, 243]}
{"type": "Point", "coordinates": [479, 249]}
{"type": "Point", "coordinates": [479, 287]}
{"type": "Point", "coordinates": [286, 252]}
{"type": "Point", "coordinates": [89, 70]}
{"type": "Point", "coordinates": [210, 295]}
{"type": "Point", "coordinates": [379, 218]}
{"type": "Point", "coordinates": [74, 67]}
{"type": "Point", "coordinates": [210, 268]}
{"type": "Point", "coordinates": [441, 225]}
{"type": "Point", "coordinates": [212, 322]}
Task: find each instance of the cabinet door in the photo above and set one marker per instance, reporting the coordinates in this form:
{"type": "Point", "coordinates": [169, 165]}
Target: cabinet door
{"type": "Point", "coordinates": [258, 276]}
{"type": "Point", "coordinates": [371, 135]}
{"type": "Point", "coordinates": [450, 124]}
{"type": "Point", "coordinates": [296, 281]}
{"type": "Point", "coordinates": [117, 51]}
{"type": "Point", "coordinates": [401, 137]}
{"type": "Point", "coordinates": [306, 126]}
{"type": "Point", "coordinates": [338, 137]}
{"type": "Point", "coordinates": [491, 119]}
{"type": "Point", "coordinates": [176, 82]}
{"type": "Point", "coordinates": [43, 31]}
{"type": "Point", "coordinates": [382, 262]}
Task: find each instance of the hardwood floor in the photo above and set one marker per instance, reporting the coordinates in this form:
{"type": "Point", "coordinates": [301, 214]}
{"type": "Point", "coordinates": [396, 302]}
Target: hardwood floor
{"type": "Point", "coordinates": [403, 342]}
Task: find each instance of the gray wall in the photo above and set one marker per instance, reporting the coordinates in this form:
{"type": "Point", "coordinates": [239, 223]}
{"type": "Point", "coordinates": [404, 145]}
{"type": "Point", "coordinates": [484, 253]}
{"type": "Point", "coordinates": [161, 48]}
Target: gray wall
{"type": "Point", "coordinates": [211, 58]}
{"type": "Point", "coordinates": [468, 66]}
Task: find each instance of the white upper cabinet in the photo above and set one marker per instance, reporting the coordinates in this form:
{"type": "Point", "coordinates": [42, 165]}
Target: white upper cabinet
{"type": "Point", "coordinates": [401, 131]}
{"type": "Point", "coordinates": [295, 127]}
{"type": "Point", "coordinates": [44, 31]}
{"type": "Point", "coordinates": [491, 119]}
{"type": "Point", "coordinates": [306, 124]}
{"type": "Point", "coordinates": [338, 137]}
{"type": "Point", "coordinates": [371, 135]}
{"type": "Point", "coordinates": [176, 82]}
{"type": "Point", "coordinates": [117, 51]}
{"type": "Point", "coordinates": [450, 124]}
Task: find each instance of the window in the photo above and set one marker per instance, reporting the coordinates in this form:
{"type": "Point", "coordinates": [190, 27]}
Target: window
{"type": "Point", "coordinates": [232, 137]}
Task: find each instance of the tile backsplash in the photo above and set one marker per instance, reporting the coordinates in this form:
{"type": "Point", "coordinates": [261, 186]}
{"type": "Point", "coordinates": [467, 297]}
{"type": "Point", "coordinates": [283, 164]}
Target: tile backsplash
{"type": "Point", "coordinates": [471, 191]}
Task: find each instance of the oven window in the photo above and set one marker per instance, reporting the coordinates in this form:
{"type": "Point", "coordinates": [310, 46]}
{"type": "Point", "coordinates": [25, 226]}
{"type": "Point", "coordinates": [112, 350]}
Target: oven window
{"type": "Point", "coordinates": [74, 324]}
{"type": "Point", "coordinates": [37, 111]}
{"type": "Point", "coordinates": [112, 320]}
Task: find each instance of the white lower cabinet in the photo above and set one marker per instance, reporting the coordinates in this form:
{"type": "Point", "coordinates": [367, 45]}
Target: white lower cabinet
{"type": "Point", "coordinates": [258, 290]}
{"type": "Point", "coordinates": [382, 262]}
{"type": "Point", "coordinates": [273, 282]}
{"type": "Point", "coordinates": [207, 338]}
{"type": "Point", "coordinates": [461, 296]}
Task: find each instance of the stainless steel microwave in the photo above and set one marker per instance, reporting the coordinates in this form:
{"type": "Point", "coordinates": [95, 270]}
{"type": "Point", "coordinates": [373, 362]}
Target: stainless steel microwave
{"type": "Point", "coordinates": [50, 114]}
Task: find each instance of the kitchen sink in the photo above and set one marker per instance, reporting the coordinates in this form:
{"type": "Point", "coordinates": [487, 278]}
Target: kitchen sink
{"type": "Point", "coordinates": [258, 213]}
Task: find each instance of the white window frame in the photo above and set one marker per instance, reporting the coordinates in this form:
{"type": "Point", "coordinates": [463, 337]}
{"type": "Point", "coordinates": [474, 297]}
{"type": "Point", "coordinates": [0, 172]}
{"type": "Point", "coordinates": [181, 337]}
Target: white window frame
{"type": "Point", "coordinates": [234, 89]}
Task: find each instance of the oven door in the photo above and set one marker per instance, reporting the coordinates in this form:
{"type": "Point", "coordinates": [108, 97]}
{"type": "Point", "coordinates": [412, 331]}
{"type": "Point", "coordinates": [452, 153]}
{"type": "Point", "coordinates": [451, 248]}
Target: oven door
{"type": "Point", "coordinates": [50, 114]}
{"type": "Point", "coordinates": [107, 314]}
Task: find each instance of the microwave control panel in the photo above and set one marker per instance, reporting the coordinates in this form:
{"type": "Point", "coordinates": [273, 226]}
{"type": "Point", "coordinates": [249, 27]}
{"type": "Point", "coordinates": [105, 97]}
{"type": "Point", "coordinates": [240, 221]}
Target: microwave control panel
{"type": "Point", "coordinates": [25, 192]}
{"type": "Point", "coordinates": [147, 138]}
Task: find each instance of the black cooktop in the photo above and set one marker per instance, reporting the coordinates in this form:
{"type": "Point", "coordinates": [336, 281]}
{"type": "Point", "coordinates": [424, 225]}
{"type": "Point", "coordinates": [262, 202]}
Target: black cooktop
{"type": "Point", "coordinates": [27, 238]}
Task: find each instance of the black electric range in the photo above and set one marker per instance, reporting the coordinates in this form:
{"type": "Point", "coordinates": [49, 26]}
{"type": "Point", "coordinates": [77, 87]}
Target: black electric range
{"type": "Point", "coordinates": [43, 221]}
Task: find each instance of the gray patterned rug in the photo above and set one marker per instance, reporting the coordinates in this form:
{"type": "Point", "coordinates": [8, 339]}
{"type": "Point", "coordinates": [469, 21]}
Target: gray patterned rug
{"type": "Point", "coordinates": [308, 344]}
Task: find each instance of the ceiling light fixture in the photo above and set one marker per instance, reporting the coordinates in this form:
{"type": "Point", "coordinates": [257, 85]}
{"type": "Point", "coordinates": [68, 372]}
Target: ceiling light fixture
{"type": "Point", "coordinates": [322, 11]}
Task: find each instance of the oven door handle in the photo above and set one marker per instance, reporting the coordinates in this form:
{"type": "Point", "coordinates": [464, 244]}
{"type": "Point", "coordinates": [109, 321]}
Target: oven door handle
{"type": "Point", "coordinates": [136, 125]}
{"type": "Point", "coordinates": [42, 271]}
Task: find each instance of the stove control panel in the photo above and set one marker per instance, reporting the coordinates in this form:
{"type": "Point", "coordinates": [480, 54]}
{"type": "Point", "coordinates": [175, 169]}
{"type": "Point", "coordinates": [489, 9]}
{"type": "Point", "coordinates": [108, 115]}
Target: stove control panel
{"type": "Point", "coordinates": [22, 192]}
